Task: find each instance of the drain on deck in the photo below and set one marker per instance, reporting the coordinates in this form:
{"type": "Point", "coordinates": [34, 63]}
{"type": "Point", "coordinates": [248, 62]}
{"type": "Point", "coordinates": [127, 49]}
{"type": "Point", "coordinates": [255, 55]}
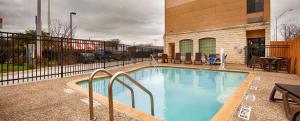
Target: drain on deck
{"type": "Point", "coordinates": [250, 98]}
{"type": "Point", "coordinates": [86, 100]}
{"type": "Point", "coordinates": [253, 88]}
{"type": "Point", "coordinates": [245, 112]}
{"type": "Point", "coordinates": [256, 78]}
{"type": "Point", "coordinates": [68, 91]}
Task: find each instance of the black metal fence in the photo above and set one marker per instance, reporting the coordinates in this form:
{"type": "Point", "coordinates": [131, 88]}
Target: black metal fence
{"type": "Point", "coordinates": [25, 58]}
{"type": "Point", "coordinates": [267, 50]}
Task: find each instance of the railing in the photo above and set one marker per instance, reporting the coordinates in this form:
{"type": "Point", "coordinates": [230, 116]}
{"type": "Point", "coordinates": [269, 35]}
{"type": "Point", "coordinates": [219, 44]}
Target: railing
{"type": "Point", "coordinates": [25, 58]}
{"type": "Point", "coordinates": [90, 83]}
{"type": "Point", "coordinates": [267, 50]}
{"type": "Point", "coordinates": [110, 93]}
{"type": "Point", "coordinates": [155, 61]}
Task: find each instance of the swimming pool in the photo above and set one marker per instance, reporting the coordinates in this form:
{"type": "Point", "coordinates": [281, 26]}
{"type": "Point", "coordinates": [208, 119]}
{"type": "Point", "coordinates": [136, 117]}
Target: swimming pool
{"type": "Point", "coordinates": [180, 94]}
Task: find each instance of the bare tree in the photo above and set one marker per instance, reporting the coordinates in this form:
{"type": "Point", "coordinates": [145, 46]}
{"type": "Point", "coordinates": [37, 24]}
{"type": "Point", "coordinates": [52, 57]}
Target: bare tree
{"type": "Point", "coordinates": [290, 30]}
{"type": "Point", "coordinates": [59, 29]}
{"type": "Point", "coordinates": [145, 45]}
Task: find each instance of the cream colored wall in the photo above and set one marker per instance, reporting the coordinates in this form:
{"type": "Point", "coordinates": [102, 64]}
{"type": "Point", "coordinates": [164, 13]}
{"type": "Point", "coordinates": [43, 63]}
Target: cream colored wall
{"type": "Point", "coordinates": [226, 38]}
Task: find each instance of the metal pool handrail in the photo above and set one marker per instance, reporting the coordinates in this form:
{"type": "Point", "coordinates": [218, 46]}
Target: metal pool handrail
{"type": "Point", "coordinates": [110, 93]}
{"type": "Point", "coordinates": [90, 83]}
{"type": "Point", "coordinates": [156, 62]}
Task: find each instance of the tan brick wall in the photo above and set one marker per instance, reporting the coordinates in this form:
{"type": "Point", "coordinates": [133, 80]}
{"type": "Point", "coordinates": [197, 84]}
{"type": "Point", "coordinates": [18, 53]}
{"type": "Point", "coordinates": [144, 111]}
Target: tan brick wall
{"type": "Point", "coordinates": [192, 15]}
{"type": "Point", "coordinates": [226, 38]}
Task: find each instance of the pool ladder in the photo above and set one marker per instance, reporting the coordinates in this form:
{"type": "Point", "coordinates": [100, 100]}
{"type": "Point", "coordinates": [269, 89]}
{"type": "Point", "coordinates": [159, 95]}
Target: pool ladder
{"type": "Point", "coordinates": [156, 62]}
{"type": "Point", "coordinates": [110, 92]}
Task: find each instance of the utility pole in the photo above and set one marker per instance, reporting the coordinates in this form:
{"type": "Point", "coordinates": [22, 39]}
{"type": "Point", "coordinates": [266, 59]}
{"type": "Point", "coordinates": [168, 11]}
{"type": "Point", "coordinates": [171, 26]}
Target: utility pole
{"type": "Point", "coordinates": [38, 29]}
{"type": "Point", "coordinates": [49, 19]}
{"type": "Point", "coordinates": [71, 23]}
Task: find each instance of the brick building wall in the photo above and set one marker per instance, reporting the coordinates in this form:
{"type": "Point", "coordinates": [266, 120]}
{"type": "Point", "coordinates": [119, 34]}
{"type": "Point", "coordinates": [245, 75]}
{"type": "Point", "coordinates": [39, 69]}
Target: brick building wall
{"type": "Point", "coordinates": [225, 20]}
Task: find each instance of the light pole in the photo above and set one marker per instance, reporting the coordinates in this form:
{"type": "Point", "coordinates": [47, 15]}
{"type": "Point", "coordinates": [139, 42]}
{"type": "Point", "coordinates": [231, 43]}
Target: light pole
{"type": "Point", "coordinates": [277, 20]}
{"type": "Point", "coordinates": [38, 28]}
{"type": "Point", "coordinates": [71, 26]}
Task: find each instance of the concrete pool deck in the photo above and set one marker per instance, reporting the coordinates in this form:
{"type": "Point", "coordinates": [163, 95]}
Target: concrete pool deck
{"type": "Point", "coordinates": [46, 100]}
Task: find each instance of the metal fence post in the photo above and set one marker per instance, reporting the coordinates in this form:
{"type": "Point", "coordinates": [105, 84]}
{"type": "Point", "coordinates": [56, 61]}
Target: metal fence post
{"type": "Point", "coordinates": [123, 55]}
{"type": "Point", "coordinates": [104, 54]}
{"type": "Point", "coordinates": [142, 55]}
{"type": "Point", "coordinates": [62, 58]}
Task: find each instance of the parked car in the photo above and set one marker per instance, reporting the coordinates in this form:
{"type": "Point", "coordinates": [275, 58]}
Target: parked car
{"type": "Point", "coordinates": [86, 58]}
{"type": "Point", "coordinates": [103, 55]}
{"type": "Point", "coordinates": [119, 56]}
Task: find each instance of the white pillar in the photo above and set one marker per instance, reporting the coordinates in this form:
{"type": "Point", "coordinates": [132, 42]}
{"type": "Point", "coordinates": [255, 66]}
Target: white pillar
{"type": "Point", "coordinates": [222, 58]}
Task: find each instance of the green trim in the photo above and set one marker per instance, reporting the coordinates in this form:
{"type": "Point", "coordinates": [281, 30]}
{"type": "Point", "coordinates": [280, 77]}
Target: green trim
{"type": "Point", "coordinates": [186, 46]}
{"type": "Point", "coordinates": [207, 46]}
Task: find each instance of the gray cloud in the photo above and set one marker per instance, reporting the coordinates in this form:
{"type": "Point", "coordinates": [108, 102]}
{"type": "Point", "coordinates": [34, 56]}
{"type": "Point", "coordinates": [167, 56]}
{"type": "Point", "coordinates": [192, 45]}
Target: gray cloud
{"type": "Point", "coordinates": [140, 21]}
{"type": "Point", "coordinates": [278, 7]}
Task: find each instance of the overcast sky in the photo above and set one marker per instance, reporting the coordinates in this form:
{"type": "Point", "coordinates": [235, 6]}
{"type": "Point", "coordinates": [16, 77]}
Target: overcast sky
{"type": "Point", "coordinates": [280, 6]}
{"type": "Point", "coordinates": [140, 21]}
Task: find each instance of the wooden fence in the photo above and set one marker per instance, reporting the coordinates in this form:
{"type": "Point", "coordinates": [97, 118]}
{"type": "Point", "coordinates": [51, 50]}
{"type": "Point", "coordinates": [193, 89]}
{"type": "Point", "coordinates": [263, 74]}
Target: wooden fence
{"type": "Point", "coordinates": [293, 52]}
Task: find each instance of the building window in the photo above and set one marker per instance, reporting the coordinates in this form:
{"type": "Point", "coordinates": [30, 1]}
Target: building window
{"type": "Point", "coordinates": [207, 46]}
{"type": "Point", "coordinates": [255, 6]}
{"type": "Point", "coordinates": [186, 46]}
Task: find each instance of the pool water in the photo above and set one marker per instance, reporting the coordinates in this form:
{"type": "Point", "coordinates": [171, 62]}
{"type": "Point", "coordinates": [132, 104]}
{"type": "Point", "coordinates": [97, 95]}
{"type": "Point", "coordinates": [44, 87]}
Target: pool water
{"type": "Point", "coordinates": [179, 94]}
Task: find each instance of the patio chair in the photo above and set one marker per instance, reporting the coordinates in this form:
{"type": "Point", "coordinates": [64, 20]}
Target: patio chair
{"type": "Point", "coordinates": [164, 58]}
{"type": "Point", "coordinates": [295, 63]}
{"type": "Point", "coordinates": [188, 58]}
{"type": "Point", "coordinates": [283, 64]}
{"type": "Point", "coordinates": [265, 64]}
{"type": "Point", "coordinates": [177, 59]}
{"type": "Point", "coordinates": [206, 58]}
{"type": "Point", "coordinates": [198, 60]}
{"type": "Point", "coordinates": [256, 62]}
{"type": "Point", "coordinates": [290, 93]}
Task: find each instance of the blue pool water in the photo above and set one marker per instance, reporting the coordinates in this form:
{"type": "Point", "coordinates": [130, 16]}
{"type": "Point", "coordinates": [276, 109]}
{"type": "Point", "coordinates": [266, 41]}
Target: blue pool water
{"type": "Point", "coordinates": [179, 94]}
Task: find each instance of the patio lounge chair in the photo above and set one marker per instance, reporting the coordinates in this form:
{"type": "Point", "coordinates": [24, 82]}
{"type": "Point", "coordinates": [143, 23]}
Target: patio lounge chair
{"type": "Point", "coordinates": [218, 61]}
{"type": "Point", "coordinates": [291, 92]}
{"type": "Point", "coordinates": [164, 58]}
{"type": "Point", "coordinates": [212, 59]}
{"type": "Point", "coordinates": [177, 59]}
{"type": "Point", "coordinates": [198, 60]}
{"type": "Point", "coordinates": [188, 58]}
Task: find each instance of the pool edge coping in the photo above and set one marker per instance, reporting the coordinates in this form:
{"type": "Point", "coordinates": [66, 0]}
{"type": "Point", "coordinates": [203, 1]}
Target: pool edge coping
{"type": "Point", "coordinates": [224, 113]}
